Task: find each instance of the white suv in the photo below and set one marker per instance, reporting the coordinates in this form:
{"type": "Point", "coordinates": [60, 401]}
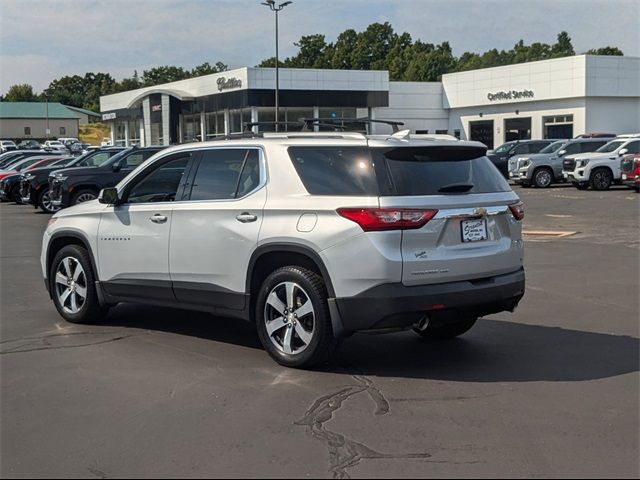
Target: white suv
{"type": "Point", "coordinates": [311, 236]}
{"type": "Point", "coordinates": [601, 168]}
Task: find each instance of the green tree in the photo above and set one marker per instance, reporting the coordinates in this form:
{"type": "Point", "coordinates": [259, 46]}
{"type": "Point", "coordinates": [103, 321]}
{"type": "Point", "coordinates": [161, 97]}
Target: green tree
{"type": "Point", "coordinates": [164, 74]}
{"type": "Point", "coordinates": [312, 53]}
{"type": "Point", "coordinates": [606, 51]}
{"type": "Point", "coordinates": [341, 54]}
{"type": "Point", "coordinates": [206, 69]}
{"type": "Point", "coordinates": [95, 86]}
{"type": "Point", "coordinates": [20, 93]}
{"type": "Point", "coordinates": [563, 47]}
{"type": "Point", "coordinates": [68, 90]}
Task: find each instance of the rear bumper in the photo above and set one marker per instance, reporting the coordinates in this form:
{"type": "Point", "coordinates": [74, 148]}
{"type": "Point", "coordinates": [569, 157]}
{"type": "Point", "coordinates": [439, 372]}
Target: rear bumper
{"type": "Point", "coordinates": [394, 305]}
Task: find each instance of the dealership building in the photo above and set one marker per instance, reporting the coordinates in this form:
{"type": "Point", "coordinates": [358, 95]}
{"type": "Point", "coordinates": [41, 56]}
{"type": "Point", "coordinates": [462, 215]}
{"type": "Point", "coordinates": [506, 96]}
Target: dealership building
{"type": "Point", "coordinates": [558, 98]}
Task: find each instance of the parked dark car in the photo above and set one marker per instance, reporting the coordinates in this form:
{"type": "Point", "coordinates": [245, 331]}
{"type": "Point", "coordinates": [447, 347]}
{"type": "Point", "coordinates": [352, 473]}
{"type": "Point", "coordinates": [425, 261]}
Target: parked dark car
{"type": "Point", "coordinates": [34, 186]}
{"type": "Point", "coordinates": [10, 185]}
{"type": "Point", "coordinates": [630, 168]}
{"type": "Point", "coordinates": [29, 145]}
{"type": "Point", "coordinates": [501, 155]}
{"type": "Point", "coordinates": [77, 185]}
{"type": "Point", "coordinates": [6, 159]}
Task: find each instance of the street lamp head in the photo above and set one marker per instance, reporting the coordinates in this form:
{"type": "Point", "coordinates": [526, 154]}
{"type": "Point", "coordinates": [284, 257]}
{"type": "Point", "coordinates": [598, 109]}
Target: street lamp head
{"type": "Point", "coordinates": [282, 5]}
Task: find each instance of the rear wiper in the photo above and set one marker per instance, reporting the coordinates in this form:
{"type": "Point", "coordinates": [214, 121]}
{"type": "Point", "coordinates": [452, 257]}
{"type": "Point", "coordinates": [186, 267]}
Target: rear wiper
{"type": "Point", "coordinates": [456, 188]}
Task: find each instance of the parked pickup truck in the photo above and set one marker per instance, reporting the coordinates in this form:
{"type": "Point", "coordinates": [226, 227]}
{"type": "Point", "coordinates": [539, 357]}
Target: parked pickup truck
{"type": "Point", "coordinates": [544, 168]}
{"type": "Point", "coordinates": [601, 168]}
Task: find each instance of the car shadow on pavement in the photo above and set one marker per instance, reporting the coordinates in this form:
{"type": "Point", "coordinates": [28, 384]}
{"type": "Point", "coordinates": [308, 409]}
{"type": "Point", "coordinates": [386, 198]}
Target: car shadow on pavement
{"type": "Point", "coordinates": [494, 351]}
{"type": "Point", "coordinates": [184, 322]}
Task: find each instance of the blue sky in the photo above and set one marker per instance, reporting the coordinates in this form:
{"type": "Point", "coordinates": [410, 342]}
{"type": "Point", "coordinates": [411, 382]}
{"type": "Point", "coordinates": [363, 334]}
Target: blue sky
{"type": "Point", "coordinates": [43, 40]}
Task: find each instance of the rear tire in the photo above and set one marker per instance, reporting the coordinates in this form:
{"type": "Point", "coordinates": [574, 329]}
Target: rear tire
{"type": "Point", "coordinates": [600, 179]}
{"type": "Point", "coordinates": [291, 341]}
{"type": "Point", "coordinates": [447, 330]}
{"type": "Point", "coordinates": [72, 286]}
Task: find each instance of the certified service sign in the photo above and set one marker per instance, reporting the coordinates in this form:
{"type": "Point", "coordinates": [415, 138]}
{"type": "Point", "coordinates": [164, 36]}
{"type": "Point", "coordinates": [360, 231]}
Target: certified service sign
{"type": "Point", "coordinates": [510, 95]}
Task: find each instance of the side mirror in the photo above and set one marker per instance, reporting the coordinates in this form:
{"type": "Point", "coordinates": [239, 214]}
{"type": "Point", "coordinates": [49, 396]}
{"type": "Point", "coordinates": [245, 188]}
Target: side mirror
{"type": "Point", "coordinates": [109, 196]}
{"type": "Point", "coordinates": [622, 152]}
{"type": "Point", "coordinates": [117, 167]}
{"type": "Point", "coordinates": [562, 153]}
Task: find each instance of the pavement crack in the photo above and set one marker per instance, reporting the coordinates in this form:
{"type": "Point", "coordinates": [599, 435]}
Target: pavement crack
{"type": "Point", "coordinates": [51, 342]}
{"type": "Point", "coordinates": [345, 452]}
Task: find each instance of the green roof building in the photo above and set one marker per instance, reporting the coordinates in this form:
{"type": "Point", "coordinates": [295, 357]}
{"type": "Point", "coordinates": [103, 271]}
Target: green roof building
{"type": "Point", "coordinates": [22, 120]}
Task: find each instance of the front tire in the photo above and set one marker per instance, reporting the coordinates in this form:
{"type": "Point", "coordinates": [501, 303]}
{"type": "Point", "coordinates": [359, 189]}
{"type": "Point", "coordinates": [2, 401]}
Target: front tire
{"type": "Point", "coordinates": [71, 281]}
{"type": "Point", "coordinates": [542, 178]}
{"type": "Point", "coordinates": [83, 196]}
{"type": "Point", "coordinates": [444, 331]}
{"type": "Point", "coordinates": [44, 202]}
{"type": "Point", "coordinates": [601, 179]}
{"type": "Point", "coordinates": [292, 318]}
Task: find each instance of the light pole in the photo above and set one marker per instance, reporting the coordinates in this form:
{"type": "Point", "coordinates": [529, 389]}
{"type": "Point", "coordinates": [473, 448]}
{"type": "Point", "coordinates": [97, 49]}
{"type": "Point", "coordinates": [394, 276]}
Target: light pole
{"type": "Point", "coordinates": [276, 8]}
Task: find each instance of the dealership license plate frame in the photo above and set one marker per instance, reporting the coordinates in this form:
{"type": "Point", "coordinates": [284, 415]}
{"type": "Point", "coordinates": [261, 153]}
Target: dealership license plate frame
{"type": "Point", "coordinates": [479, 233]}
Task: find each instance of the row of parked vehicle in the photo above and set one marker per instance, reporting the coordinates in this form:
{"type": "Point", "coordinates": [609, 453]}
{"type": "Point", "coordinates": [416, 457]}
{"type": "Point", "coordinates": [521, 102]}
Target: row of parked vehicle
{"type": "Point", "coordinates": [61, 145]}
{"type": "Point", "coordinates": [329, 234]}
{"type": "Point", "coordinates": [594, 161]}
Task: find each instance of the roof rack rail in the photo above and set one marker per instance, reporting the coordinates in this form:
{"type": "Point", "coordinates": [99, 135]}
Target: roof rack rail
{"type": "Point", "coordinates": [303, 125]}
{"type": "Point", "coordinates": [237, 136]}
{"type": "Point", "coordinates": [341, 121]}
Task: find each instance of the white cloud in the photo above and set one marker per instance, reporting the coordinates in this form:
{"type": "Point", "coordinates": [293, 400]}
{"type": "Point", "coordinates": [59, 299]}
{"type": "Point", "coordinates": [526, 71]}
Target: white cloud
{"type": "Point", "coordinates": [43, 40]}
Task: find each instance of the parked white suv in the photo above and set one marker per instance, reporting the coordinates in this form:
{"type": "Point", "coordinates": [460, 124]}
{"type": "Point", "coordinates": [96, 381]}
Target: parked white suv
{"type": "Point", "coordinates": [601, 168]}
{"type": "Point", "coordinates": [311, 236]}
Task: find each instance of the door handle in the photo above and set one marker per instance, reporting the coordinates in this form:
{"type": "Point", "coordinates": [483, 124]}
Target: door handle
{"type": "Point", "coordinates": [246, 217]}
{"type": "Point", "coordinates": [157, 218]}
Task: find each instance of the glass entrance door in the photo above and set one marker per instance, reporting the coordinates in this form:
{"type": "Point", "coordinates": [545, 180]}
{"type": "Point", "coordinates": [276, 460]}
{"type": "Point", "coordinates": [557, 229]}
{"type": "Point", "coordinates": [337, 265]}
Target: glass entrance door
{"type": "Point", "coordinates": [517, 129]}
{"type": "Point", "coordinates": [482, 131]}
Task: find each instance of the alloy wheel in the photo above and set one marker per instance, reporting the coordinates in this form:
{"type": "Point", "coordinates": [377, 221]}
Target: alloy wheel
{"type": "Point", "coordinates": [601, 180]}
{"type": "Point", "coordinates": [289, 318]}
{"type": "Point", "coordinates": [543, 178]}
{"type": "Point", "coordinates": [85, 197]}
{"type": "Point", "coordinates": [70, 285]}
{"type": "Point", "coordinates": [46, 203]}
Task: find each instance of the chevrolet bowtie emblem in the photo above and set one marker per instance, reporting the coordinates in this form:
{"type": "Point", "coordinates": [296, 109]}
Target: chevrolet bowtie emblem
{"type": "Point", "coordinates": [481, 211]}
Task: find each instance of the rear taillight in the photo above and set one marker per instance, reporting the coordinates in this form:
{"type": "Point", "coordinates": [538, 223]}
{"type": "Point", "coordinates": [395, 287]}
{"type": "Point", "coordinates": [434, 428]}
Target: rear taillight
{"type": "Point", "coordinates": [517, 209]}
{"type": "Point", "coordinates": [380, 219]}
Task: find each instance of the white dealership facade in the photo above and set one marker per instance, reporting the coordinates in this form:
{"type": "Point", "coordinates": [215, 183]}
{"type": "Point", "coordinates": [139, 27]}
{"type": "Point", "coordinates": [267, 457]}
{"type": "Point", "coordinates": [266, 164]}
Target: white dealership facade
{"type": "Point", "coordinates": [558, 98]}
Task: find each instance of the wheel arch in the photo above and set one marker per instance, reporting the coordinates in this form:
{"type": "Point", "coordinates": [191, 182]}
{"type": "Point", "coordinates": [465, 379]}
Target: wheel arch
{"type": "Point", "coordinates": [267, 258]}
{"type": "Point", "coordinates": [59, 240]}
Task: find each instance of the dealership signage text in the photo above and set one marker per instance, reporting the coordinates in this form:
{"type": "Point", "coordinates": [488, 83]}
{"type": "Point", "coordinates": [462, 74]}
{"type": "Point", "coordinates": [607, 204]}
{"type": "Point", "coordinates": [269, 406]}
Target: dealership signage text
{"type": "Point", "coordinates": [228, 83]}
{"type": "Point", "coordinates": [510, 95]}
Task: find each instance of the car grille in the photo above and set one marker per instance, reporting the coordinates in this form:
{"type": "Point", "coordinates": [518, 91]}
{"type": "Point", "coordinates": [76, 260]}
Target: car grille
{"type": "Point", "coordinates": [627, 164]}
{"type": "Point", "coordinates": [25, 189]}
{"type": "Point", "coordinates": [55, 189]}
{"type": "Point", "coordinates": [569, 165]}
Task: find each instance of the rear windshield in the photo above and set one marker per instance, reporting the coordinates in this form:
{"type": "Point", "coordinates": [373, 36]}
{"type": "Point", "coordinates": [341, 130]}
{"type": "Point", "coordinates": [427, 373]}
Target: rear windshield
{"type": "Point", "coordinates": [442, 171]}
{"type": "Point", "coordinates": [335, 170]}
{"type": "Point", "coordinates": [406, 171]}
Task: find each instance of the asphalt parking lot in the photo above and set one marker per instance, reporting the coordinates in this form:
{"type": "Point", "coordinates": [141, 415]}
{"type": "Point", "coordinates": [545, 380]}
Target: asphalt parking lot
{"type": "Point", "coordinates": [551, 390]}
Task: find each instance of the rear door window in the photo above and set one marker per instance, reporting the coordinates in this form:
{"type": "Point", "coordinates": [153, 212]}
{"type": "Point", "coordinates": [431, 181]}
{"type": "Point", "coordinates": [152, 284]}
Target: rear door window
{"type": "Point", "coordinates": [225, 174]}
{"type": "Point", "coordinates": [417, 171]}
{"type": "Point", "coordinates": [339, 171]}
{"type": "Point", "coordinates": [573, 148]}
{"type": "Point", "coordinates": [586, 147]}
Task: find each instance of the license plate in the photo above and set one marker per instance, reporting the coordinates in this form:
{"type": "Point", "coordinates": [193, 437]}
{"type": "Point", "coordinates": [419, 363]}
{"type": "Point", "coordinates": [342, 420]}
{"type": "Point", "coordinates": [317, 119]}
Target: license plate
{"type": "Point", "coordinates": [474, 230]}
